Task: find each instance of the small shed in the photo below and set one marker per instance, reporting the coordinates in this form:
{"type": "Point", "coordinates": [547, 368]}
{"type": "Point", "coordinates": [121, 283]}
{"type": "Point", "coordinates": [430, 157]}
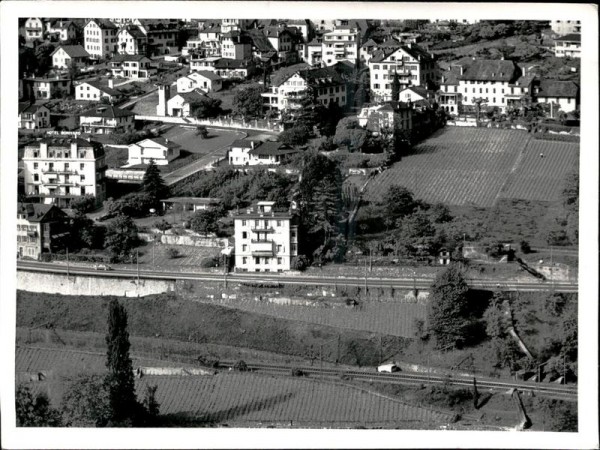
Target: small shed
{"type": "Point", "coordinates": [191, 203]}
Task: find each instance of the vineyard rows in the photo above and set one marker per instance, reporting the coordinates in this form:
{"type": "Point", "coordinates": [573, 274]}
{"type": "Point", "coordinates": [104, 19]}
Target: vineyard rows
{"type": "Point", "coordinates": [538, 178]}
{"type": "Point", "coordinates": [392, 318]}
{"type": "Point", "coordinates": [237, 398]}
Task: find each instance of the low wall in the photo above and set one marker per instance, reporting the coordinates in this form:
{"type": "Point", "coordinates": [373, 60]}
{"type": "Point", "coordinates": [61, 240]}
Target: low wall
{"type": "Point", "coordinates": [89, 285]}
{"type": "Point", "coordinates": [223, 123]}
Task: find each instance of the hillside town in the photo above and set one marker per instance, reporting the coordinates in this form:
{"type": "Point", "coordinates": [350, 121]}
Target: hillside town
{"type": "Point", "coordinates": [284, 166]}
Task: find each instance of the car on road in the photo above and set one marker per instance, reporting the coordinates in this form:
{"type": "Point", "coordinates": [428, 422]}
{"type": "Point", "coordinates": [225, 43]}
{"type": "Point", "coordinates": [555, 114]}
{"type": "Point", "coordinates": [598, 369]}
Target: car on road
{"type": "Point", "coordinates": [102, 267]}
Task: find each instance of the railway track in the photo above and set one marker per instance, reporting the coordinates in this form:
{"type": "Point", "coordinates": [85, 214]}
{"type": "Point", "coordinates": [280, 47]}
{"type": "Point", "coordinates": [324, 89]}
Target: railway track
{"type": "Point", "coordinates": [555, 391]}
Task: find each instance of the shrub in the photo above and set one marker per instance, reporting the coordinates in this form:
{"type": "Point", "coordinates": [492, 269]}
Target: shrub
{"type": "Point", "coordinates": [240, 366]}
{"type": "Point", "coordinates": [211, 261]}
{"type": "Point", "coordinates": [525, 247]}
{"type": "Point", "coordinates": [173, 253]}
{"type": "Point", "coordinates": [162, 225]}
{"type": "Point", "coordinates": [300, 263]}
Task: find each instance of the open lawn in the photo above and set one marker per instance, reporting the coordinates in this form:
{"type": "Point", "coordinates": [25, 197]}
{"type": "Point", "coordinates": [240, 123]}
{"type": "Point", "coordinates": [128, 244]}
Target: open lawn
{"type": "Point", "coordinates": [477, 166]}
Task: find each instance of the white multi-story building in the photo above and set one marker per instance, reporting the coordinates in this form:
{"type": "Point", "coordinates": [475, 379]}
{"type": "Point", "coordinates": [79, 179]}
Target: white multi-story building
{"type": "Point", "coordinates": [235, 45]}
{"type": "Point", "coordinates": [228, 25]}
{"type": "Point", "coordinates": [33, 116]}
{"type": "Point", "coordinates": [100, 38]}
{"type": "Point", "coordinates": [283, 40]}
{"type": "Point", "coordinates": [161, 35]}
{"type": "Point", "coordinates": [160, 150]}
{"type": "Point", "coordinates": [34, 29]}
{"type": "Point", "coordinates": [65, 30]}
{"type": "Point", "coordinates": [93, 91]}
{"type": "Point", "coordinates": [410, 63]}
{"type": "Point", "coordinates": [48, 87]}
{"type": "Point", "coordinates": [58, 169]}
{"type": "Point", "coordinates": [40, 229]}
{"type": "Point", "coordinates": [265, 240]}
{"type": "Point", "coordinates": [448, 97]}
{"type": "Point", "coordinates": [568, 46]}
{"type": "Point", "coordinates": [286, 91]}
{"type": "Point", "coordinates": [564, 94]}
{"type": "Point", "coordinates": [131, 41]}
{"type": "Point", "coordinates": [489, 80]}
{"type": "Point", "coordinates": [314, 52]}
{"type": "Point", "coordinates": [563, 27]}
{"type": "Point", "coordinates": [341, 44]}
{"type": "Point", "coordinates": [131, 66]}
{"type": "Point", "coordinates": [67, 56]}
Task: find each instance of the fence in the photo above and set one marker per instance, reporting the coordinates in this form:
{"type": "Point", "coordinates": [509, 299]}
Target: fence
{"type": "Point", "coordinates": [259, 125]}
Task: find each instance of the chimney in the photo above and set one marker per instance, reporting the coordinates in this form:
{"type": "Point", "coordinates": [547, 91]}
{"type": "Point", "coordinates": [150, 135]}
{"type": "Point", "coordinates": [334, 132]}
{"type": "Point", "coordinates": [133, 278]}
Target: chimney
{"type": "Point", "coordinates": [111, 83]}
{"type": "Point", "coordinates": [252, 145]}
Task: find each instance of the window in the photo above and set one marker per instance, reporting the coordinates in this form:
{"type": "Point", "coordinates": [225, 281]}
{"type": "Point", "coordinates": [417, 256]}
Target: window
{"type": "Point", "coordinates": [257, 260]}
{"type": "Point", "coordinates": [279, 261]}
{"type": "Point", "coordinates": [279, 223]}
{"type": "Point", "coordinates": [82, 177]}
{"type": "Point", "coordinates": [244, 260]}
{"type": "Point", "coordinates": [244, 247]}
{"type": "Point", "coordinates": [244, 235]}
{"type": "Point", "coordinates": [279, 247]}
{"type": "Point", "coordinates": [36, 177]}
{"type": "Point", "coordinates": [256, 223]}
{"type": "Point", "coordinates": [35, 165]}
{"type": "Point", "coordinates": [294, 247]}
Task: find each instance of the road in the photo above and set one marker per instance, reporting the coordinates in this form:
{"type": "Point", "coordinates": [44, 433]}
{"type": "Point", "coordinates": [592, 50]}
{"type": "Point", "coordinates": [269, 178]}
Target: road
{"type": "Point", "coordinates": [371, 282]}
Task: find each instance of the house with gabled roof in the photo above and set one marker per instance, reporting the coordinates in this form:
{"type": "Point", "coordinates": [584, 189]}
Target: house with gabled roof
{"type": "Point", "coordinates": [131, 66]}
{"type": "Point", "coordinates": [41, 228]}
{"type": "Point", "coordinates": [410, 63]}
{"type": "Point", "coordinates": [65, 30]}
{"type": "Point", "coordinates": [106, 119]}
{"type": "Point", "coordinates": [568, 46]}
{"type": "Point", "coordinates": [205, 80]}
{"type": "Point", "coordinates": [66, 56]}
{"type": "Point", "coordinates": [488, 81]}
{"type": "Point", "coordinates": [247, 152]}
{"type": "Point", "coordinates": [160, 150]}
{"type": "Point", "coordinates": [33, 116]}
{"type": "Point", "coordinates": [132, 41]}
{"type": "Point", "coordinates": [415, 94]}
{"type": "Point", "coordinates": [563, 93]}
{"type": "Point", "coordinates": [94, 91]}
{"type": "Point", "coordinates": [448, 96]}
{"type": "Point", "coordinates": [181, 104]}
{"type": "Point", "coordinates": [289, 85]}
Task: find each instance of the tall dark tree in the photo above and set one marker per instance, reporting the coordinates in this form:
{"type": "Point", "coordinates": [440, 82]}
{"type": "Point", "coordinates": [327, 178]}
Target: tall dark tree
{"type": "Point", "coordinates": [395, 88]}
{"type": "Point", "coordinates": [248, 103]}
{"type": "Point", "coordinates": [154, 185]}
{"type": "Point", "coordinates": [449, 312]}
{"type": "Point", "coordinates": [121, 237]}
{"type": "Point", "coordinates": [123, 402]}
{"type": "Point", "coordinates": [35, 410]}
{"type": "Point", "coordinates": [398, 202]}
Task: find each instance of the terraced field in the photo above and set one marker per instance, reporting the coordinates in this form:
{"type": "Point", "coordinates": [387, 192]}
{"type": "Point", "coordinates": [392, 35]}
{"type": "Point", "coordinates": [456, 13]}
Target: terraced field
{"type": "Point", "coordinates": [476, 166]}
{"type": "Point", "coordinates": [251, 399]}
{"type": "Point", "coordinates": [538, 178]}
{"type": "Point", "coordinates": [391, 318]}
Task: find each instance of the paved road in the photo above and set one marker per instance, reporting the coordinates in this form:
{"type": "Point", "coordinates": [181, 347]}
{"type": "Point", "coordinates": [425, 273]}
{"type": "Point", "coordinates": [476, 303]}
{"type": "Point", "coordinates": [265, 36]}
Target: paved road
{"type": "Point", "coordinates": [396, 283]}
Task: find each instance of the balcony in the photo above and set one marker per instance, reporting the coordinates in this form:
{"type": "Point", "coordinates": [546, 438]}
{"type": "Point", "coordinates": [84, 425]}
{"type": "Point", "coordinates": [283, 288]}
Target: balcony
{"type": "Point", "coordinates": [59, 171]}
{"type": "Point", "coordinates": [263, 229]}
{"type": "Point", "coordinates": [61, 183]}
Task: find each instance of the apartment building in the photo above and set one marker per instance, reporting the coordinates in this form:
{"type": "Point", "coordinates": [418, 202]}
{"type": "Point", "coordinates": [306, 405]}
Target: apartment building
{"type": "Point", "coordinates": [161, 35]}
{"type": "Point", "coordinates": [235, 45]}
{"type": "Point", "coordinates": [341, 44]}
{"type": "Point", "coordinates": [41, 229]}
{"type": "Point", "coordinates": [314, 52]}
{"type": "Point", "coordinates": [288, 87]}
{"type": "Point", "coordinates": [34, 29]}
{"type": "Point", "coordinates": [65, 30]}
{"type": "Point", "coordinates": [47, 87]}
{"type": "Point", "coordinates": [228, 25]}
{"type": "Point", "coordinates": [448, 96]}
{"type": "Point", "coordinates": [489, 80]}
{"type": "Point", "coordinates": [58, 169]}
{"type": "Point", "coordinates": [265, 240]}
{"type": "Point", "coordinates": [132, 41]}
{"type": "Point", "coordinates": [283, 40]}
{"type": "Point", "coordinates": [568, 46]}
{"type": "Point", "coordinates": [100, 38]}
{"type": "Point", "coordinates": [131, 66]}
{"type": "Point", "coordinates": [410, 63]}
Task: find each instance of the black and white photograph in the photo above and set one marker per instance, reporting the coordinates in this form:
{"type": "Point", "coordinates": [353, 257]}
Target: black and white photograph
{"type": "Point", "coordinates": [301, 225]}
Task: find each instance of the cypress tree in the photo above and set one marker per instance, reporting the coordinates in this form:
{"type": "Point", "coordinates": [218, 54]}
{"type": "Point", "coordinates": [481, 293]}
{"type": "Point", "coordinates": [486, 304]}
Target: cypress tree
{"type": "Point", "coordinates": [153, 184]}
{"type": "Point", "coordinates": [395, 88]}
{"type": "Point", "coordinates": [123, 402]}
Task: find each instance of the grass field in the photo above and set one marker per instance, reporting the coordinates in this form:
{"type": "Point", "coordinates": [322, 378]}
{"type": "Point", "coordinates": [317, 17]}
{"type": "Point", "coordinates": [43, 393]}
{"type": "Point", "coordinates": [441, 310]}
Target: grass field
{"type": "Point", "coordinates": [476, 167]}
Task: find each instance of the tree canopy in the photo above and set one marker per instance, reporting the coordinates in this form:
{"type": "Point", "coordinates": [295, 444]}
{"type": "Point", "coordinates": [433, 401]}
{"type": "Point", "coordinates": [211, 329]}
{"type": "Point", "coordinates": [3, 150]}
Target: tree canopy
{"type": "Point", "coordinates": [35, 410]}
{"type": "Point", "coordinates": [121, 237]}
{"type": "Point", "coordinates": [154, 185]}
{"type": "Point", "coordinates": [248, 102]}
{"type": "Point", "coordinates": [206, 107]}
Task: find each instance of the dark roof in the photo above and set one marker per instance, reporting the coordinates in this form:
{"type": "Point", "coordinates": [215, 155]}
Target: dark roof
{"type": "Point", "coordinates": [491, 70]}
{"type": "Point", "coordinates": [134, 31]}
{"type": "Point", "coordinates": [380, 55]}
{"type": "Point", "coordinates": [369, 43]}
{"type": "Point", "coordinates": [62, 24]}
{"type": "Point", "coordinates": [103, 23]}
{"type": "Point", "coordinates": [123, 58]}
{"type": "Point", "coordinates": [555, 88]}
{"type": "Point", "coordinates": [316, 41]}
{"type": "Point", "coordinates": [192, 96]}
{"type": "Point", "coordinates": [344, 67]}
{"type": "Point", "coordinates": [272, 148]}
{"type": "Point", "coordinates": [104, 88]}
{"type": "Point", "coordinates": [37, 212]}
{"type": "Point", "coordinates": [208, 74]}
{"type": "Point", "coordinates": [244, 143]}
{"type": "Point", "coordinates": [280, 76]}
{"type": "Point", "coordinates": [193, 200]}
{"type": "Point", "coordinates": [107, 111]}
{"type": "Point", "coordinates": [212, 29]}
{"type": "Point", "coordinates": [419, 90]}
{"type": "Point", "coordinates": [390, 43]}
{"type": "Point", "coordinates": [158, 24]}
{"type": "Point", "coordinates": [450, 78]}
{"type": "Point", "coordinates": [416, 52]}
{"type": "Point", "coordinates": [26, 107]}
{"type": "Point", "coordinates": [573, 37]}
{"type": "Point", "coordinates": [74, 51]}
{"type": "Point", "coordinates": [260, 41]}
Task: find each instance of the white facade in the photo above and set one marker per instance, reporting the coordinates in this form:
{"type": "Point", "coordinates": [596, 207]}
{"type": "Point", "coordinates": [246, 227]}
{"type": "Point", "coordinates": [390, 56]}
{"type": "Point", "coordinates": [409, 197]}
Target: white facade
{"type": "Point", "coordinates": [34, 117]}
{"type": "Point", "coordinates": [132, 67]}
{"type": "Point", "coordinates": [34, 29]}
{"type": "Point", "coordinates": [341, 44]}
{"type": "Point", "coordinates": [563, 27]}
{"type": "Point", "coordinates": [60, 169]}
{"type": "Point", "coordinates": [61, 58]}
{"type": "Point", "coordinates": [100, 40]}
{"type": "Point", "coordinates": [205, 81]}
{"type": "Point", "coordinates": [314, 53]}
{"type": "Point", "coordinates": [493, 93]}
{"type": "Point", "coordinates": [152, 150]}
{"type": "Point", "coordinates": [566, 104]}
{"type": "Point", "coordinates": [64, 33]}
{"type": "Point", "coordinates": [411, 71]}
{"type": "Point", "coordinates": [265, 241]}
{"type": "Point", "coordinates": [89, 92]}
{"type": "Point", "coordinates": [130, 43]}
{"type": "Point", "coordinates": [567, 48]}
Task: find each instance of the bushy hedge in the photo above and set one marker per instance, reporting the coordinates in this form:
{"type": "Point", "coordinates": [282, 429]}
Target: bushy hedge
{"type": "Point", "coordinates": [556, 137]}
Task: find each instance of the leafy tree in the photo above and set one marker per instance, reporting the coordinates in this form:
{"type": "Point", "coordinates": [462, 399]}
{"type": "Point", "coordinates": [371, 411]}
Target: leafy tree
{"type": "Point", "coordinates": [84, 204]}
{"type": "Point", "coordinates": [35, 410]}
{"type": "Point", "coordinates": [202, 131]}
{"type": "Point", "coordinates": [417, 234]}
{"type": "Point", "coordinates": [570, 192]}
{"type": "Point", "coordinates": [449, 312]}
{"type": "Point", "coordinates": [206, 107]}
{"type": "Point", "coordinates": [154, 185]}
{"type": "Point", "coordinates": [135, 204]}
{"type": "Point", "coordinates": [151, 405]}
{"type": "Point", "coordinates": [494, 317]}
{"type": "Point", "coordinates": [123, 403]}
{"type": "Point", "coordinates": [300, 263]}
{"type": "Point", "coordinates": [86, 403]}
{"type": "Point", "coordinates": [395, 88]}
{"type": "Point", "coordinates": [43, 56]}
{"type": "Point", "coordinates": [121, 237]}
{"type": "Point", "coordinates": [297, 135]}
{"type": "Point", "coordinates": [397, 202]}
{"type": "Point", "coordinates": [248, 102]}
{"type": "Point", "coordinates": [205, 221]}
{"type": "Point", "coordinates": [349, 134]}
{"type": "Point", "coordinates": [84, 233]}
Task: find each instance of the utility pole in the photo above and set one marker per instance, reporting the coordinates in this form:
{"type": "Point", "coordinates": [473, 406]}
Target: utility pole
{"type": "Point", "coordinates": [68, 273]}
{"type": "Point", "coordinates": [552, 267]}
{"type": "Point", "coordinates": [137, 261]}
{"type": "Point", "coordinates": [564, 370]}
{"type": "Point", "coordinates": [338, 350]}
{"type": "Point", "coordinates": [153, 250]}
{"type": "Point", "coordinates": [380, 350]}
{"type": "Point", "coordinates": [366, 276]}
{"type": "Point", "coordinates": [321, 359]}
